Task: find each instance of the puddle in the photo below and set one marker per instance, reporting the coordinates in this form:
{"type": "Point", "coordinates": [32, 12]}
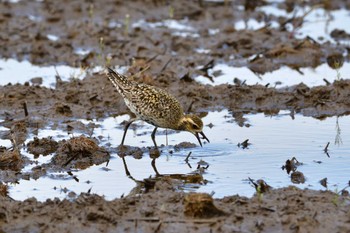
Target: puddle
{"type": "Point", "coordinates": [284, 77]}
{"type": "Point", "coordinates": [81, 51]}
{"type": "Point", "coordinates": [179, 27]}
{"type": "Point", "coordinates": [250, 24]}
{"type": "Point", "coordinates": [318, 23]}
{"type": "Point", "coordinates": [274, 140]}
{"type": "Point", "coordinates": [12, 71]}
{"type": "Point", "coordinates": [52, 37]}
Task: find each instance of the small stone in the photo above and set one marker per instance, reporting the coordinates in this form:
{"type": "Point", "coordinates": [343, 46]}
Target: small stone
{"type": "Point", "coordinates": [37, 81]}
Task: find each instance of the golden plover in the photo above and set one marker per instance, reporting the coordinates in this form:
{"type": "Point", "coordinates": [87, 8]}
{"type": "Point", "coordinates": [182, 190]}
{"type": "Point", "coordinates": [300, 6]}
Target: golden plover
{"type": "Point", "coordinates": [155, 106]}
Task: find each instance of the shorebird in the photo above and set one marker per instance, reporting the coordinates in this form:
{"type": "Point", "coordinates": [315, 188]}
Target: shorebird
{"type": "Point", "coordinates": [154, 106]}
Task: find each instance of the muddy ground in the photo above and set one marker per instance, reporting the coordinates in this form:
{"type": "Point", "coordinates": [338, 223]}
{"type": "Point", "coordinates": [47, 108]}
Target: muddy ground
{"type": "Point", "coordinates": [106, 31]}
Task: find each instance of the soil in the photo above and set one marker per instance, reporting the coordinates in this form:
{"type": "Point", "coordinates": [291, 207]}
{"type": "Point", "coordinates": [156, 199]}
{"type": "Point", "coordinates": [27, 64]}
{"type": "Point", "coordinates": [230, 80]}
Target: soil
{"type": "Point", "coordinates": [122, 33]}
{"type": "Point", "coordinates": [165, 210]}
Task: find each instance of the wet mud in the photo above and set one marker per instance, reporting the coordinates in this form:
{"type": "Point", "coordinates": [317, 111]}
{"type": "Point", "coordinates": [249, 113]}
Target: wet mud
{"type": "Point", "coordinates": [165, 210]}
{"type": "Point", "coordinates": [123, 33]}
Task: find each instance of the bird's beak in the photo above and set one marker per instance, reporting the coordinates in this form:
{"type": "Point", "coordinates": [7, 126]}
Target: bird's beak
{"type": "Point", "coordinates": [198, 138]}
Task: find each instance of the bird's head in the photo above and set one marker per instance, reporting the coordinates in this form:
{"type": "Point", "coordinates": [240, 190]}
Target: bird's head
{"type": "Point", "coordinates": [194, 125]}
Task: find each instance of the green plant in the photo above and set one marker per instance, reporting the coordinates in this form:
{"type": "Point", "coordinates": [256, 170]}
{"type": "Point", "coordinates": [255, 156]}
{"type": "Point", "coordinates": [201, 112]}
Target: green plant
{"type": "Point", "coordinates": [171, 12]}
{"type": "Point", "coordinates": [104, 60]}
{"type": "Point", "coordinates": [259, 193]}
{"type": "Point", "coordinates": [337, 65]}
{"type": "Point", "coordinates": [91, 10]}
{"type": "Point", "coordinates": [101, 47]}
{"type": "Point", "coordinates": [335, 199]}
{"type": "Point", "coordinates": [126, 24]}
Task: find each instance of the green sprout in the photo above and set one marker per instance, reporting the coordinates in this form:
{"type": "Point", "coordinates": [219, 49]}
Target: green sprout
{"type": "Point", "coordinates": [337, 65]}
{"type": "Point", "coordinates": [102, 58]}
{"type": "Point", "coordinates": [101, 46]}
{"type": "Point", "coordinates": [260, 193]}
{"type": "Point", "coordinates": [91, 10]}
{"type": "Point", "coordinates": [335, 199]}
{"type": "Point", "coordinates": [126, 24]}
{"type": "Point", "coordinates": [171, 12]}
{"type": "Point", "coordinates": [108, 60]}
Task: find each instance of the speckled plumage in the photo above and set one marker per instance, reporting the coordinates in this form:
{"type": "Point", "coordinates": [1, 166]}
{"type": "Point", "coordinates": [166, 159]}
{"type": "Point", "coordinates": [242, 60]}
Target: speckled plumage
{"type": "Point", "coordinates": [155, 106]}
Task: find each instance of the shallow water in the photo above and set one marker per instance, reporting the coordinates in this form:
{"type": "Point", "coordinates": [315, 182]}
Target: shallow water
{"type": "Point", "coordinates": [274, 140]}
{"type": "Point", "coordinates": [318, 23]}
{"type": "Point", "coordinates": [13, 71]}
{"type": "Point", "coordinates": [282, 77]}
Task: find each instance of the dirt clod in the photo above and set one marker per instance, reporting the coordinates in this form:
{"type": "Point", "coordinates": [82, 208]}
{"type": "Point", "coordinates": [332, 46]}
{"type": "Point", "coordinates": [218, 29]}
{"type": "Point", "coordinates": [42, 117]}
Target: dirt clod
{"type": "Point", "coordinates": [297, 177]}
{"type": "Point", "coordinates": [200, 205]}
{"type": "Point", "coordinates": [79, 152]}
{"type": "Point", "coordinates": [11, 160]}
{"type": "Point", "coordinates": [3, 190]}
{"type": "Point", "coordinates": [43, 146]}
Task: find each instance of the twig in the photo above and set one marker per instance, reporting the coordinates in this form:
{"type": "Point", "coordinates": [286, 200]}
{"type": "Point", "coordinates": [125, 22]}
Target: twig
{"type": "Point", "coordinates": [58, 78]}
{"type": "Point", "coordinates": [164, 67]}
{"type": "Point", "coordinates": [25, 108]}
{"type": "Point", "coordinates": [327, 82]}
{"type": "Point", "coordinates": [152, 58]}
{"type": "Point", "coordinates": [188, 156]}
{"type": "Point", "coordinates": [166, 137]}
{"type": "Point", "coordinates": [326, 148]}
{"type": "Point", "coordinates": [292, 20]}
{"type": "Point", "coordinates": [158, 227]}
{"type": "Point", "coordinates": [146, 219]}
{"type": "Point", "coordinates": [140, 72]}
{"type": "Point", "coordinates": [73, 176]}
{"type": "Point", "coordinates": [207, 66]}
{"type": "Point", "coordinates": [189, 109]}
{"type": "Point", "coordinates": [157, 219]}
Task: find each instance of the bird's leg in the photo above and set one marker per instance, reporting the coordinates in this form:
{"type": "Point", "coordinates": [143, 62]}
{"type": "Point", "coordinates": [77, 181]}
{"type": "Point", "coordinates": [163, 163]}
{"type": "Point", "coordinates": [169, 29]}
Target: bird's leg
{"type": "Point", "coordinates": [126, 167]}
{"type": "Point", "coordinates": [126, 129]}
{"type": "Point", "coordinates": [153, 136]}
{"type": "Point", "coordinates": [153, 163]}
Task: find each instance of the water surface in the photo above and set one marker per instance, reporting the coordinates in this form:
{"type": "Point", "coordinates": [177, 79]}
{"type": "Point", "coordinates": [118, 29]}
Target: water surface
{"type": "Point", "coordinates": [274, 140]}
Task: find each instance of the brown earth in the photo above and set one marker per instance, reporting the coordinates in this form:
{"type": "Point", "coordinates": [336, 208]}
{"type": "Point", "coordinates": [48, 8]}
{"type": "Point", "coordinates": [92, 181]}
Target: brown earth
{"type": "Point", "coordinates": [104, 29]}
{"type": "Point", "coordinates": [165, 210]}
